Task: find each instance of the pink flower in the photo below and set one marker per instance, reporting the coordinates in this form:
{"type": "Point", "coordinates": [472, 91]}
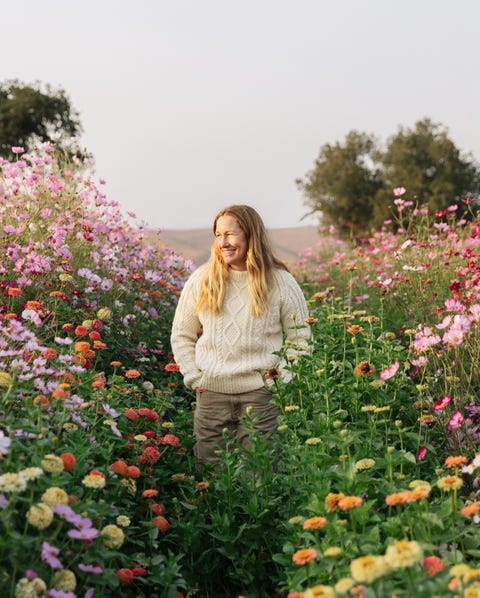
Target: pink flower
{"type": "Point", "coordinates": [390, 371]}
{"type": "Point", "coordinates": [442, 403]}
{"type": "Point", "coordinates": [455, 421]}
{"type": "Point", "coordinates": [17, 150]}
{"type": "Point", "coordinates": [399, 191]}
{"type": "Point", "coordinates": [421, 453]}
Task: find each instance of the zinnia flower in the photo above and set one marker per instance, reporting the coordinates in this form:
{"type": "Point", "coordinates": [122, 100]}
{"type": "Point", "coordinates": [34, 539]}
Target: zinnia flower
{"type": "Point", "coordinates": [314, 523]}
{"type": "Point", "coordinates": [403, 554]}
{"type": "Point", "coordinates": [304, 556]}
{"type": "Point", "coordinates": [113, 536]}
{"type": "Point", "coordinates": [52, 464]}
{"type": "Point", "coordinates": [433, 564]}
{"type": "Point", "coordinates": [319, 592]}
{"type": "Point", "coordinates": [368, 568]}
{"type": "Point", "coordinates": [40, 515]}
{"type": "Point", "coordinates": [364, 369]}
{"type": "Point", "coordinates": [331, 502]}
{"type": "Point", "coordinates": [450, 482]}
{"type": "Point", "coordinates": [455, 461]}
{"type": "Point", "coordinates": [349, 502]}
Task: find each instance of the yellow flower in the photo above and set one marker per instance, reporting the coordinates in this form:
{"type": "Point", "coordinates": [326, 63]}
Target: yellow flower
{"type": "Point", "coordinates": [364, 464]}
{"type": "Point", "coordinates": [295, 520]}
{"type": "Point", "coordinates": [55, 495]}
{"type": "Point", "coordinates": [64, 580]}
{"type": "Point", "coordinates": [313, 441]}
{"type": "Point", "coordinates": [31, 473]}
{"type": "Point", "coordinates": [12, 482]}
{"type": "Point", "coordinates": [332, 551]}
{"type": "Point", "coordinates": [40, 515]}
{"type": "Point", "coordinates": [94, 481]}
{"type": "Point", "coordinates": [123, 521]}
{"type": "Point", "coordinates": [5, 379]}
{"type": "Point", "coordinates": [292, 408]}
{"type": "Point", "coordinates": [26, 588]}
{"type": "Point", "coordinates": [344, 585]}
{"type": "Point", "coordinates": [450, 482]}
{"type": "Point", "coordinates": [104, 314]}
{"type": "Point", "coordinates": [403, 553]}
{"type": "Point", "coordinates": [52, 464]}
{"type": "Point", "coordinates": [473, 591]}
{"type": "Point", "coordinates": [113, 536]}
{"type": "Point", "coordinates": [420, 484]}
{"type": "Point", "coordinates": [319, 592]}
{"type": "Point", "coordinates": [368, 568]}
{"type": "Point", "coordinates": [331, 502]}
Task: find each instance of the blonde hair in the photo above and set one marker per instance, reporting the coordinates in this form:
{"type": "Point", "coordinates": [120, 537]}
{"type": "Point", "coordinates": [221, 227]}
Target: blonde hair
{"type": "Point", "coordinates": [260, 262]}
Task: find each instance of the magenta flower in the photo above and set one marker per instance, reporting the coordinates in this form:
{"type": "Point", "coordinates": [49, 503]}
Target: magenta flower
{"type": "Point", "coordinates": [390, 371]}
{"type": "Point", "coordinates": [421, 453]}
{"type": "Point", "coordinates": [455, 421]}
{"type": "Point", "coordinates": [49, 556]}
{"type": "Point", "coordinates": [442, 403]}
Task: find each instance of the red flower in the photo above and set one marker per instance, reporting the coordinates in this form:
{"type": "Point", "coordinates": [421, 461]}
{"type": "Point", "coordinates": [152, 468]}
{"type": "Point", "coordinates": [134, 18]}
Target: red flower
{"type": "Point", "coordinates": [442, 403]}
{"type": "Point", "coordinates": [125, 576]}
{"type": "Point", "coordinates": [172, 367]}
{"type": "Point", "coordinates": [151, 415]}
{"type": "Point", "coordinates": [131, 414]}
{"type": "Point", "coordinates": [158, 508]}
{"type": "Point", "coordinates": [139, 571]}
{"type": "Point", "coordinates": [433, 565]}
{"type": "Point", "coordinates": [133, 472]}
{"type": "Point", "coordinates": [69, 461]}
{"type": "Point", "coordinates": [149, 456]}
{"type": "Point", "coordinates": [161, 523]}
{"type": "Point", "coordinates": [150, 493]}
{"type": "Point", "coordinates": [170, 439]}
{"type": "Point", "coordinates": [119, 467]}
{"type": "Point", "coordinates": [81, 331]}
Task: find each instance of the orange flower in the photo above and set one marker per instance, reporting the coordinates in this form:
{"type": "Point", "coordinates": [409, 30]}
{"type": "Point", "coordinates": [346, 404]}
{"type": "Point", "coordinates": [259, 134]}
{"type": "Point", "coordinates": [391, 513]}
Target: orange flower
{"type": "Point", "coordinates": [398, 498]}
{"type": "Point", "coordinates": [41, 400]}
{"type": "Point", "coordinates": [172, 367]}
{"type": "Point", "coordinates": [349, 502]}
{"type": "Point", "coordinates": [133, 472]}
{"type": "Point", "coordinates": [99, 380]}
{"type": "Point", "coordinates": [433, 565]}
{"type": "Point", "coordinates": [161, 523]}
{"type": "Point", "coordinates": [116, 364]}
{"type": "Point", "coordinates": [455, 461]}
{"type": "Point", "coordinates": [82, 346]}
{"type": "Point", "coordinates": [49, 353]}
{"type": "Point", "coordinates": [314, 523]}
{"type": "Point", "coordinates": [304, 556]}
{"type": "Point", "coordinates": [119, 467]}
{"type": "Point", "coordinates": [132, 415]}
{"type": "Point", "coordinates": [150, 493]}
{"type": "Point", "coordinates": [60, 393]}
{"type": "Point", "coordinates": [67, 327]}
{"type": "Point", "coordinates": [81, 331]}
{"type": "Point", "coordinates": [132, 374]}
{"type": "Point", "coordinates": [99, 345]}
{"type": "Point", "coordinates": [69, 461]}
{"type": "Point", "coordinates": [94, 335]}
{"type": "Point", "coordinates": [470, 510]}
{"type": "Point", "coordinates": [354, 329]}
{"type": "Point", "coordinates": [364, 369]}
{"type": "Point", "coordinates": [202, 486]}
{"type": "Point", "coordinates": [331, 502]}
{"type": "Point", "coordinates": [14, 292]}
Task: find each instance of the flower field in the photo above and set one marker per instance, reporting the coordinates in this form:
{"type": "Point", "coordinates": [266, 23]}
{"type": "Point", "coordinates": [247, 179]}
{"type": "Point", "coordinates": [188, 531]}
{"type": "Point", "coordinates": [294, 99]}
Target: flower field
{"type": "Point", "coordinates": [371, 486]}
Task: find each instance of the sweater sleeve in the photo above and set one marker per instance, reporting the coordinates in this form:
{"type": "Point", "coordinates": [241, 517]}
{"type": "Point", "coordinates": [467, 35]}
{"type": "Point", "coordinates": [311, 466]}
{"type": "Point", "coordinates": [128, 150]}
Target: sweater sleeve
{"type": "Point", "coordinates": [294, 312]}
{"type": "Point", "coordinates": [184, 334]}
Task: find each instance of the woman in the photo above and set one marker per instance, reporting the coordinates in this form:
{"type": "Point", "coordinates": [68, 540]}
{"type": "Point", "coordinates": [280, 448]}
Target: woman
{"type": "Point", "coordinates": [229, 324]}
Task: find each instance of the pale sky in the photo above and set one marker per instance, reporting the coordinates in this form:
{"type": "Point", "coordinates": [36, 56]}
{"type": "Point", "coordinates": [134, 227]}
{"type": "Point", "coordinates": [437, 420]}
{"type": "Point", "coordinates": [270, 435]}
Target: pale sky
{"type": "Point", "coordinates": [191, 105]}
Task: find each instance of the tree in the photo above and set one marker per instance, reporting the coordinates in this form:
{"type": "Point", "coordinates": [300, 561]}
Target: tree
{"type": "Point", "coordinates": [343, 183]}
{"type": "Point", "coordinates": [29, 114]}
{"type": "Point", "coordinates": [428, 164]}
{"type": "Point", "coordinates": [351, 184]}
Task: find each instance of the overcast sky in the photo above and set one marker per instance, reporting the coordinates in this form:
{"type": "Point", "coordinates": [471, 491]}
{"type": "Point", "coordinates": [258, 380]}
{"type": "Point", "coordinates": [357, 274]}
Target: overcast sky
{"type": "Point", "coordinates": [190, 105]}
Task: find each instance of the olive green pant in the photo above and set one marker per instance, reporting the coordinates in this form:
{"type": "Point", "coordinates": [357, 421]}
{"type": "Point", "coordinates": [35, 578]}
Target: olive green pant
{"type": "Point", "coordinates": [217, 413]}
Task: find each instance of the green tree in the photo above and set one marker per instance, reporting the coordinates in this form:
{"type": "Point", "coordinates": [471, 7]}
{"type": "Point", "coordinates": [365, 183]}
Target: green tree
{"type": "Point", "coordinates": [429, 165]}
{"type": "Point", "coordinates": [30, 113]}
{"type": "Point", "coordinates": [342, 185]}
{"type": "Point", "coordinates": [351, 184]}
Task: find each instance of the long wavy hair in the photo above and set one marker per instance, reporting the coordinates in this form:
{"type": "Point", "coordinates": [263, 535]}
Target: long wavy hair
{"type": "Point", "coordinates": [260, 262]}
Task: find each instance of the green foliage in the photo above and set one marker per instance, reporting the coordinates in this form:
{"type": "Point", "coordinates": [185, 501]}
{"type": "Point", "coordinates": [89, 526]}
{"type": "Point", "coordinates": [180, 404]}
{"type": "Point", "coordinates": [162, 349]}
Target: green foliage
{"type": "Point", "coordinates": [29, 113]}
{"type": "Point", "coordinates": [351, 183]}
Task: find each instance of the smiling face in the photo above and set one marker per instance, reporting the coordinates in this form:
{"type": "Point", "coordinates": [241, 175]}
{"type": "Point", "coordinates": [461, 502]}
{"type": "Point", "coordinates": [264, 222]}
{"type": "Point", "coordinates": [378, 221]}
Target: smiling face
{"type": "Point", "coordinates": [232, 242]}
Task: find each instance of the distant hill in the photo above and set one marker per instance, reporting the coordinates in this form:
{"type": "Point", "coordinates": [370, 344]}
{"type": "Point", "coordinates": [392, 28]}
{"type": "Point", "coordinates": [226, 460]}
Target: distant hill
{"type": "Point", "coordinates": [194, 244]}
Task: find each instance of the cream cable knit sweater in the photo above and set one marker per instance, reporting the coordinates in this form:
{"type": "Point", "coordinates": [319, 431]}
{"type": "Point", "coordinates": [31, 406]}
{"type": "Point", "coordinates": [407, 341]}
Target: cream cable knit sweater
{"type": "Point", "coordinates": [236, 349]}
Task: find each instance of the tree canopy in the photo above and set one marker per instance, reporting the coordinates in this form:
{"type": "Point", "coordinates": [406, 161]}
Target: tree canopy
{"type": "Point", "coordinates": [351, 183]}
{"type": "Point", "coordinates": [30, 113]}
